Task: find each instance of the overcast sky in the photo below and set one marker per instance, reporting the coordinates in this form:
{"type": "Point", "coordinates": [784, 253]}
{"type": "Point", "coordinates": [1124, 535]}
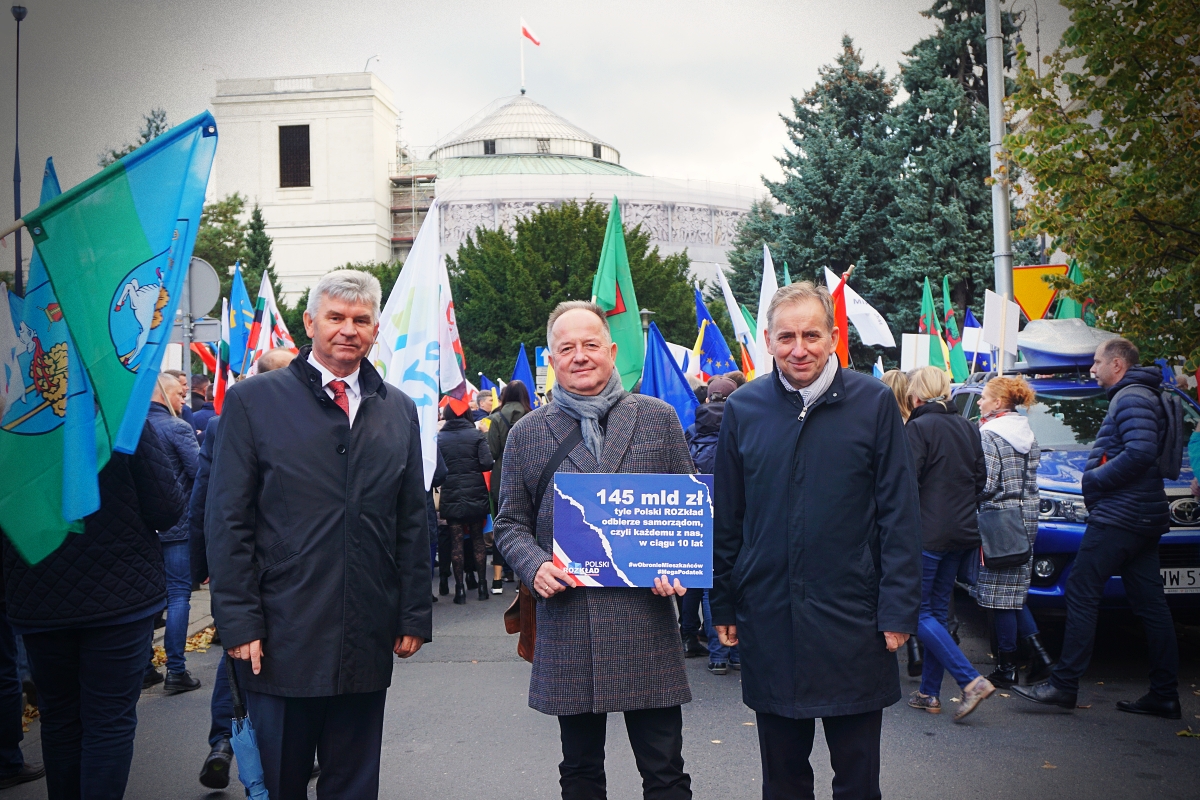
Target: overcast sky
{"type": "Point", "coordinates": [685, 89]}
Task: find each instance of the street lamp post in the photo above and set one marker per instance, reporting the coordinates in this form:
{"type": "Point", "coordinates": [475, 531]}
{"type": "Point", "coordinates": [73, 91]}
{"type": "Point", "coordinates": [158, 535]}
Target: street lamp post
{"type": "Point", "coordinates": [18, 13]}
{"type": "Point", "coordinates": [646, 314]}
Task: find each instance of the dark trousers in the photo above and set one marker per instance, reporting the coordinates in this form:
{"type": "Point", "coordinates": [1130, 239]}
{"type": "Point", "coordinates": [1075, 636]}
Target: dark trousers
{"type": "Point", "coordinates": [88, 681]}
{"type": "Point", "coordinates": [11, 704]}
{"type": "Point", "coordinates": [689, 613]}
{"type": "Point", "coordinates": [656, 735]}
{"type": "Point", "coordinates": [345, 732]}
{"type": "Point", "coordinates": [221, 707]}
{"type": "Point", "coordinates": [785, 744]}
{"type": "Point", "coordinates": [1105, 552]}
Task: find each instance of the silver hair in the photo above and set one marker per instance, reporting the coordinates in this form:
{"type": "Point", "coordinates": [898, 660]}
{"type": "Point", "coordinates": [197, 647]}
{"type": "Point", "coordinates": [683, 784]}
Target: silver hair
{"type": "Point", "coordinates": [799, 292]}
{"type": "Point", "coordinates": [351, 285]}
{"type": "Point", "coordinates": [572, 305]}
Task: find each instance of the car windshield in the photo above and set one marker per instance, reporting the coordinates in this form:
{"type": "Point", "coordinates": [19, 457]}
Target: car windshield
{"type": "Point", "coordinates": [1069, 419]}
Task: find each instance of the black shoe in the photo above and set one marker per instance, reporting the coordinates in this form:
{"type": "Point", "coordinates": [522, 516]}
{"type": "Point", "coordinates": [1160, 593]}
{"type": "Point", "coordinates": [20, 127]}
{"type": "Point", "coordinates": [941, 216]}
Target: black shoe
{"type": "Point", "coordinates": [433, 598]}
{"type": "Point", "coordinates": [916, 657]}
{"type": "Point", "coordinates": [444, 587]}
{"type": "Point", "coordinates": [152, 678]}
{"type": "Point", "coordinates": [30, 771]}
{"type": "Point", "coordinates": [30, 690]}
{"type": "Point", "coordinates": [180, 682]}
{"type": "Point", "coordinates": [719, 668]}
{"type": "Point", "coordinates": [692, 648]}
{"type": "Point", "coordinates": [1040, 662]}
{"type": "Point", "coordinates": [460, 595]}
{"type": "Point", "coordinates": [215, 772]}
{"type": "Point", "coordinates": [1005, 673]}
{"type": "Point", "coordinates": [484, 594]}
{"type": "Point", "coordinates": [497, 587]}
{"type": "Point", "coordinates": [1047, 694]}
{"type": "Point", "coordinates": [1153, 706]}
{"type": "Point", "coordinates": [508, 576]}
{"type": "Point", "coordinates": [471, 581]}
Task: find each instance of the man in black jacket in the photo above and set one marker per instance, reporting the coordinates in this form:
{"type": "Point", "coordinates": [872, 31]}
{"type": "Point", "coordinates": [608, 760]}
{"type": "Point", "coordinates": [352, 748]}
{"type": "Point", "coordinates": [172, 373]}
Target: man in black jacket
{"type": "Point", "coordinates": [87, 614]}
{"type": "Point", "coordinates": [317, 546]}
{"type": "Point", "coordinates": [1127, 515]}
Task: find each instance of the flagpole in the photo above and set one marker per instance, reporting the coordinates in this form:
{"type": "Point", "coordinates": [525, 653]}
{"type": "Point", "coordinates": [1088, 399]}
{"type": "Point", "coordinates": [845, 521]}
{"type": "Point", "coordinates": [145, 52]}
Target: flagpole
{"type": "Point", "coordinates": [522, 61]}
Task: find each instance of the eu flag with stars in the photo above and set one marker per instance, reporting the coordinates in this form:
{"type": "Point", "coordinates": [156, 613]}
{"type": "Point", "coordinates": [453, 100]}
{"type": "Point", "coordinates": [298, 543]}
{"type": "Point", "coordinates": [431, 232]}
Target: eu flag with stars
{"type": "Point", "coordinates": [711, 350]}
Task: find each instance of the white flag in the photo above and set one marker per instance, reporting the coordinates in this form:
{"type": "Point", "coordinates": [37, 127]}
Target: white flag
{"type": "Point", "coordinates": [769, 286]}
{"type": "Point", "coordinates": [740, 329]}
{"type": "Point", "coordinates": [415, 333]}
{"type": "Point", "coordinates": [872, 327]}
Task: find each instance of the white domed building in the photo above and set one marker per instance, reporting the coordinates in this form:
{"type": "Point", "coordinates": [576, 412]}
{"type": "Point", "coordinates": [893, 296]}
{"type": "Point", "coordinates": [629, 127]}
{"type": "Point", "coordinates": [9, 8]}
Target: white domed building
{"type": "Point", "coordinates": [517, 154]}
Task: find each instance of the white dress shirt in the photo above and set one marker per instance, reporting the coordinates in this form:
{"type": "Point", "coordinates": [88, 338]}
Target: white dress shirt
{"type": "Point", "coordinates": [353, 396]}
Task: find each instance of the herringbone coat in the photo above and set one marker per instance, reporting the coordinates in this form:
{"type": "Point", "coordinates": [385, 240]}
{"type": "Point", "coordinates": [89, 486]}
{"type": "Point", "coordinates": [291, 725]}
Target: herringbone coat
{"type": "Point", "coordinates": [598, 650]}
{"type": "Point", "coordinates": [1011, 483]}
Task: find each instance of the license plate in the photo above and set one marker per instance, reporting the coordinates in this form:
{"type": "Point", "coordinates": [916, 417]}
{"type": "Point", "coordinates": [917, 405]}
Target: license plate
{"type": "Point", "coordinates": [1181, 580]}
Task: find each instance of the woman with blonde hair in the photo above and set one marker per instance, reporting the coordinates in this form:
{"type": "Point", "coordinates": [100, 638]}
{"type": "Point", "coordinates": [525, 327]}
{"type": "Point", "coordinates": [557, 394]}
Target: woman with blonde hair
{"type": "Point", "coordinates": [1012, 456]}
{"type": "Point", "coordinates": [948, 458]}
{"type": "Point", "coordinates": [897, 381]}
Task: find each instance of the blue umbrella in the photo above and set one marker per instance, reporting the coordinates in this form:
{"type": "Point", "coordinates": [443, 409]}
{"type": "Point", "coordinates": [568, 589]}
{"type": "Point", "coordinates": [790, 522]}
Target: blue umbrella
{"type": "Point", "coordinates": [245, 744]}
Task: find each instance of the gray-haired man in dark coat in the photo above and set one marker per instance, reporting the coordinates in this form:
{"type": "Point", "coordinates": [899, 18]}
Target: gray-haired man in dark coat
{"type": "Point", "coordinates": [318, 546]}
{"type": "Point", "coordinates": [817, 550]}
{"type": "Point", "coordinates": [598, 649]}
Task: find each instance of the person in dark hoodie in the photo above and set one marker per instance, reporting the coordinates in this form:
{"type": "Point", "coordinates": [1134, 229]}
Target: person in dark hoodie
{"type": "Point", "coordinates": [702, 443]}
{"type": "Point", "coordinates": [1127, 515]}
{"type": "Point", "coordinates": [514, 404]}
{"type": "Point", "coordinates": [464, 500]}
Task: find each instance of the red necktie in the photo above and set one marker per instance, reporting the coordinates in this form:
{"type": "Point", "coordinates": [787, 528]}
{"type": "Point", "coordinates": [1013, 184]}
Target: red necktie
{"type": "Point", "coordinates": [339, 395]}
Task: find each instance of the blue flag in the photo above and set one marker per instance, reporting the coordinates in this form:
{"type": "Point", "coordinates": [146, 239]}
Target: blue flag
{"type": "Point", "coordinates": [241, 317]}
{"type": "Point", "coordinates": [662, 378]}
{"type": "Point", "coordinates": [982, 359]}
{"type": "Point", "coordinates": [522, 373]}
{"type": "Point", "coordinates": [486, 385]}
{"type": "Point", "coordinates": [711, 350]}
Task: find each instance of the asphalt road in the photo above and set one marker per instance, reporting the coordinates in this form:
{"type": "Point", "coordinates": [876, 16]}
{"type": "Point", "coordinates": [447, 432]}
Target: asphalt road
{"type": "Point", "coordinates": [458, 725]}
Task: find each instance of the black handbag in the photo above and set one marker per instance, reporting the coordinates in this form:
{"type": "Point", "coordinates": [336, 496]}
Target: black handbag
{"type": "Point", "coordinates": [1002, 531]}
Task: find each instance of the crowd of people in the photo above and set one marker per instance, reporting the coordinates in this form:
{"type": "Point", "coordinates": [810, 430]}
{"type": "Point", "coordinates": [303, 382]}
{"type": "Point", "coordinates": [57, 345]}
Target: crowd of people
{"type": "Point", "coordinates": [846, 511]}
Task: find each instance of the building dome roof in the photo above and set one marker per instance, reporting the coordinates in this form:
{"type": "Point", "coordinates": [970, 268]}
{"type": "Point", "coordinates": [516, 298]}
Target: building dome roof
{"type": "Point", "coordinates": [520, 126]}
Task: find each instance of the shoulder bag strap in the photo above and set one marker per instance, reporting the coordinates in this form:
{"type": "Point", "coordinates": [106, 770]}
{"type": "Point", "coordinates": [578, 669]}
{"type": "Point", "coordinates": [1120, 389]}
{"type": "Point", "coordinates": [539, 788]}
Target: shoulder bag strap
{"type": "Point", "coordinates": [560, 455]}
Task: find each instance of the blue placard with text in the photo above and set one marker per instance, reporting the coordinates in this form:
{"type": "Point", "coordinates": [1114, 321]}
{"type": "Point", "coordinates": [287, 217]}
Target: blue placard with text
{"type": "Point", "coordinates": [628, 529]}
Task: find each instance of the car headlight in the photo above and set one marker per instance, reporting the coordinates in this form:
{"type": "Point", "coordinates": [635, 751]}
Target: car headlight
{"type": "Point", "coordinates": [1060, 506]}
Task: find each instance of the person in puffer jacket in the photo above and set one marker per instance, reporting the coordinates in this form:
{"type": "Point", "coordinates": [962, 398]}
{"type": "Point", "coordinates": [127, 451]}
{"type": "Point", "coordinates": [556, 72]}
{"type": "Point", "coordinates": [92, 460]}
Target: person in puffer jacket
{"type": "Point", "coordinates": [464, 502]}
{"type": "Point", "coordinates": [183, 451]}
{"type": "Point", "coordinates": [1127, 514]}
{"type": "Point", "coordinates": [87, 614]}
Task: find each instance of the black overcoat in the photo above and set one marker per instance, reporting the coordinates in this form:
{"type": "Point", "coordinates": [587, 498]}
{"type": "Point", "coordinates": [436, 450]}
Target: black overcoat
{"type": "Point", "coordinates": [316, 531]}
{"type": "Point", "coordinates": [817, 544]}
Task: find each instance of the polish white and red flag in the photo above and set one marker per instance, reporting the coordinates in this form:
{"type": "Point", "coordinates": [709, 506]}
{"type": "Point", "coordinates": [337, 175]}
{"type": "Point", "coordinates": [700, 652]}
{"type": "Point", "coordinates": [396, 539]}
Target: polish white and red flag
{"type": "Point", "coordinates": [528, 34]}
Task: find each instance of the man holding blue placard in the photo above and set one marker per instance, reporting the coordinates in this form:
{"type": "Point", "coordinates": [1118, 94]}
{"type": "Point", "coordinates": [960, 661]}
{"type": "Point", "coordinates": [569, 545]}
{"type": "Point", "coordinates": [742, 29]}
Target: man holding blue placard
{"type": "Point", "coordinates": [598, 649]}
{"type": "Point", "coordinates": [817, 554]}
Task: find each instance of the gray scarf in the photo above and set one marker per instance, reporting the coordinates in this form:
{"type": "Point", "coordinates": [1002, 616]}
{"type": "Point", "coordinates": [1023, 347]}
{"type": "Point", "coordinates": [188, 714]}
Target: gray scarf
{"type": "Point", "coordinates": [589, 410]}
{"type": "Point", "coordinates": [813, 392]}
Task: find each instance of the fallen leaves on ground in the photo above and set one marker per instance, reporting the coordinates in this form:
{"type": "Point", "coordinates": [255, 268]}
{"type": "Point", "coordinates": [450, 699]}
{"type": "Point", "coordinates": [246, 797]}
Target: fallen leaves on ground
{"type": "Point", "coordinates": [1002, 694]}
{"type": "Point", "coordinates": [1189, 733]}
{"type": "Point", "coordinates": [200, 642]}
{"type": "Point", "coordinates": [1048, 765]}
{"type": "Point", "coordinates": [27, 716]}
{"type": "Point", "coordinates": [160, 656]}
{"type": "Point", "coordinates": [1089, 705]}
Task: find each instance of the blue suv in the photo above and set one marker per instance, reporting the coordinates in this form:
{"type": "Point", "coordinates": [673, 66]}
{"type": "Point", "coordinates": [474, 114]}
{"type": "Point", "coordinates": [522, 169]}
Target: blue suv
{"type": "Point", "coordinates": [1066, 417]}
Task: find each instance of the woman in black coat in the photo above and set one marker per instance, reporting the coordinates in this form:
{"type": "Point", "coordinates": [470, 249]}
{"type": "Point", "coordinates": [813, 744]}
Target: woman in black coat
{"type": "Point", "coordinates": [948, 458]}
{"type": "Point", "coordinates": [464, 501]}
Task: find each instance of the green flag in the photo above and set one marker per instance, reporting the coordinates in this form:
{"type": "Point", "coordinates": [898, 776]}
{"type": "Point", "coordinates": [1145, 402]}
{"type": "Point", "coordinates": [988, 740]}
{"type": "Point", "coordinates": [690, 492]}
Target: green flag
{"type": "Point", "coordinates": [958, 360]}
{"type": "Point", "coordinates": [750, 321]}
{"type": "Point", "coordinates": [115, 251]}
{"type": "Point", "coordinates": [929, 324]}
{"type": "Point", "coordinates": [1070, 308]}
{"type": "Point", "coordinates": [787, 276]}
{"type": "Point", "coordinates": [612, 290]}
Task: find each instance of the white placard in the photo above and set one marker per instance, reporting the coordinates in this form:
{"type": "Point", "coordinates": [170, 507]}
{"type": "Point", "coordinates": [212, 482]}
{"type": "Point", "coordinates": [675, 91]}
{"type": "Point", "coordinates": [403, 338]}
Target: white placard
{"type": "Point", "coordinates": [914, 350]}
{"type": "Point", "coordinates": [1001, 319]}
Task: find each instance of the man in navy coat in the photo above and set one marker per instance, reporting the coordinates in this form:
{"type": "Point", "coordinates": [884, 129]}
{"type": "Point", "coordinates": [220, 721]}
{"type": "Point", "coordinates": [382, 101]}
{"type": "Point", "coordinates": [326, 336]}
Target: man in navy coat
{"type": "Point", "coordinates": [817, 557]}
